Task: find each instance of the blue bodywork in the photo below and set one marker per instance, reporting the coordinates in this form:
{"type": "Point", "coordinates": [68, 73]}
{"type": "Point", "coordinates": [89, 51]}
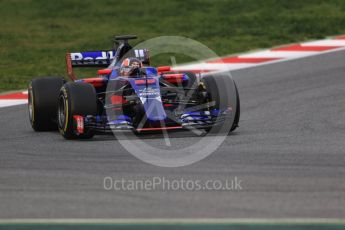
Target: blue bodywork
{"type": "Point", "coordinates": [147, 89]}
{"type": "Point", "coordinates": [150, 97]}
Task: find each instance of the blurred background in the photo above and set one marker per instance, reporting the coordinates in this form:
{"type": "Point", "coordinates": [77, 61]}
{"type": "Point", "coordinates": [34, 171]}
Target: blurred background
{"type": "Point", "coordinates": [36, 34]}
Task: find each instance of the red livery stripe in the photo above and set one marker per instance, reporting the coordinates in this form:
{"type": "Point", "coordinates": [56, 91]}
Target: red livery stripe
{"type": "Point", "coordinates": [159, 128]}
{"type": "Point", "coordinates": [95, 81]}
{"type": "Point", "coordinates": [305, 48]}
{"type": "Point", "coordinates": [174, 77]}
{"type": "Point", "coordinates": [143, 82]}
{"type": "Point", "coordinates": [117, 100]}
{"type": "Point", "coordinates": [104, 71]}
{"type": "Point", "coordinates": [163, 68]}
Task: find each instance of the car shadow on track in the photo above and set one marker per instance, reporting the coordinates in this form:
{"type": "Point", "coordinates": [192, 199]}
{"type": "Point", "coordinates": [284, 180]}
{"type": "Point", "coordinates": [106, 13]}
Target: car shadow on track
{"type": "Point", "coordinates": [152, 135]}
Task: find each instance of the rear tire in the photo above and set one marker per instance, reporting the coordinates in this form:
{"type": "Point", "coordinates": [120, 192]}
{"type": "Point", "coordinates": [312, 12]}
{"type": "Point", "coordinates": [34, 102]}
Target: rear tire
{"type": "Point", "coordinates": [43, 94]}
{"type": "Point", "coordinates": [222, 92]}
{"type": "Point", "coordinates": [76, 98]}
{"type": "Point", "coordinates": [238, 111]}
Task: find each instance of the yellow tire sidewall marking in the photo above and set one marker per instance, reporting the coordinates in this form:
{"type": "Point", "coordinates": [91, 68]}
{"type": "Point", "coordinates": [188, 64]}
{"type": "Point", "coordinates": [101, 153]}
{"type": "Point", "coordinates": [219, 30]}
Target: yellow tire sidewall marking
{"type": "Point", "coordinates": [31, 93]}
{"type": "Point", "coordinates": [66, 108]}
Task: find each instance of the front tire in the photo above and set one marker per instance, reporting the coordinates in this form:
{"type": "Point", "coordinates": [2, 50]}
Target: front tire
{"type": "Point", "coordinates": [76, 98]}
{"type": "Point", "coordinates": [223, 93]}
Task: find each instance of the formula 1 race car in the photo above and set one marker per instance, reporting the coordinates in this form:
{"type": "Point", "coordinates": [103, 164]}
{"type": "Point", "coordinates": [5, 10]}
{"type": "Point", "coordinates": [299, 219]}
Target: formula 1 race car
{"type": "Point", "coordinates": [130, 95]}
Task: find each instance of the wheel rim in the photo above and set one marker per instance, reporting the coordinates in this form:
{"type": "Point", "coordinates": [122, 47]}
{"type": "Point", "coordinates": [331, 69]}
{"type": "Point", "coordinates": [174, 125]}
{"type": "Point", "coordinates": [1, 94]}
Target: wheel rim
{"type": "Point", "coordinates": [62, 112]}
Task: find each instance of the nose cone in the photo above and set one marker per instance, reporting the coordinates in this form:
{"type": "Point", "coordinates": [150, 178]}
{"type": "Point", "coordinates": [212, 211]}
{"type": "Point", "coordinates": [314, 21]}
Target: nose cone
{"type": "Point", "coordinates": [148, 91]}
{"type": "Point", "coordinates": [154, 108]}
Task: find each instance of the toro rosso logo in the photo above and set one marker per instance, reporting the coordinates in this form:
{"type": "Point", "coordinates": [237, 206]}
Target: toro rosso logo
{"type": "Point", "coordinates": [148, 92]}
{"type": "Point", "coordinates": [92, 58]}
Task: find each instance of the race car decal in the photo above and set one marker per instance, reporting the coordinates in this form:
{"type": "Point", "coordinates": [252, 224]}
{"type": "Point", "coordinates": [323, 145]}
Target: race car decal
{"type": "Point", "coordinates": [143, 55]}
{"type": "Point", "coordinates": [139, 53]}
{"type": "Point", "coordinates": [92, 58]}
{"type": "Point", "coordinates": [79, 122]}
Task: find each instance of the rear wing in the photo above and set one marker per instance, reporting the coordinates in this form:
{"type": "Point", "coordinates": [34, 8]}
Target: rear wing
{"type": "Point", "coordinates": [102, 59]}
{"type": "Point", "coordinates": [92, 58]}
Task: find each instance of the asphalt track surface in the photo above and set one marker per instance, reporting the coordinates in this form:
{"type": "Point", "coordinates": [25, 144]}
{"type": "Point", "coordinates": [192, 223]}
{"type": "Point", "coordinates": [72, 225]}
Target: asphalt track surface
{"type": "Point", "coordinates": [288, 153]}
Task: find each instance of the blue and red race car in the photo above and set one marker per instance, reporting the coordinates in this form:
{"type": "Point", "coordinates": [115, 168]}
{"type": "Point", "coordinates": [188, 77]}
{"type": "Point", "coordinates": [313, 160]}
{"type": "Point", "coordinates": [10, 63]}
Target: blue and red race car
{"type": "Point", "coordinates": [129, 94]}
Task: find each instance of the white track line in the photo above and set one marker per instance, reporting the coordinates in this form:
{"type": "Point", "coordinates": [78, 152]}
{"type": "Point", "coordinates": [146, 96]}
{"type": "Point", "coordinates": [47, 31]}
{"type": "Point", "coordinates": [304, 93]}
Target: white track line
{"type": "Point", "coordinates": [213, 66]}
{"type": "Point", "coordinates": [282, 55]}
{"type": "Point", "coordinates": [326, 42]}
{"type": "Point", "coordinates": [12, 102]}
{"type": "Point", "coordinates": [279, 54]}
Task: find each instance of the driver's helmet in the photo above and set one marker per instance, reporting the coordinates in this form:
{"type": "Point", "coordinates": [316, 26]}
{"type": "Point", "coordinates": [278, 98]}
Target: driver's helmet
{"type": "Point", "coordinates": [130, 67]}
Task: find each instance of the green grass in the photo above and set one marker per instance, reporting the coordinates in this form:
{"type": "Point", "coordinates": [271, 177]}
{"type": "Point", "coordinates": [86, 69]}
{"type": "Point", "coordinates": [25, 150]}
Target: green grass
{"type": "Point", "coordinates": [36, 34]}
